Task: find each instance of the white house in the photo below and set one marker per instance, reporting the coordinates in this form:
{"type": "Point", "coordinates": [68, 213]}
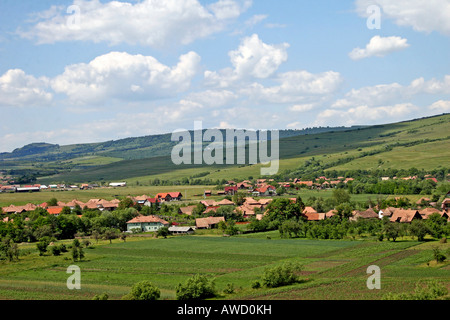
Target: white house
{"type": "Point", "coordinates": [118, 184]}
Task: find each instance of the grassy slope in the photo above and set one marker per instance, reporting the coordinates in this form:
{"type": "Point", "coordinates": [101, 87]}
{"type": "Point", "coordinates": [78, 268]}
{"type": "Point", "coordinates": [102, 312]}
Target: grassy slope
{"type": "Point", "coordinates": [328, 147]}
{"type": "Point", "coordinates": [333, 269]}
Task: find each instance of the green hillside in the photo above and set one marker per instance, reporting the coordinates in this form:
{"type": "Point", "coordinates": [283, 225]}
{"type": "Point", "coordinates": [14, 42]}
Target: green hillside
{"type": "Point", "coordinates": [422, 143]}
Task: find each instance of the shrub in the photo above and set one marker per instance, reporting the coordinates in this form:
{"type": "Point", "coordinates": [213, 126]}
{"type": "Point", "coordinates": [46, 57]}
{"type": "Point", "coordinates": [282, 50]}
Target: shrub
{"type": "Point", "coordinates": [431, 290]}
{"type": "Point", "coordinates": [281, 275]}
{"type": "Point", "coordinates": [197, 287]}
{"type": "Point", "coordinates": [143, 290]}
{"type": "Point", "coordinates": [256, 284]}
{"type": "Point", "coordinates": [103, 296]}
{"type": "Point", "coordinates": [438, 255]}
{"type": "Point", "coordinates": [229, 289]}
{"type": "Point", "coordinates": [55, 250]}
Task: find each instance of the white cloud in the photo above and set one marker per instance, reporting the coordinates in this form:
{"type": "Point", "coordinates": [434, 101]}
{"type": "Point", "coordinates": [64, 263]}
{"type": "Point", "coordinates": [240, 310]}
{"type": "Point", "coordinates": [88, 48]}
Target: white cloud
{"type": "Point", "coordinates": [365, 114]}
{"type": "Point", "coordinates": [17, 89]}
{"type": "Point", "coordinates": [119, 75]}
{"type": "Point", "coordinates": [422, 16]}
{"type": "Point", "coordinates": [441, 106]}
{"type": "Point", "coordinates": [254, 59]}
{"type": "Point", "coordinates": [296, 87]}
{"type": "Point", "coordinates": [302, 107]}
{"type": "Point", "coordinates": [147, 22]}
{"type": "Point", "coordinates": [379, 47]}
{"type": "Point", "coordinates": [254, 20]}
{"type": "Point", "coordinates": [294, 125]}
{"type": "Point", "coordinates": [389, 93]}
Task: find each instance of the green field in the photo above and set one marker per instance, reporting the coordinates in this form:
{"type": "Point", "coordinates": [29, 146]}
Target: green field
{"type": "Point", "coordinates": [332, 269]}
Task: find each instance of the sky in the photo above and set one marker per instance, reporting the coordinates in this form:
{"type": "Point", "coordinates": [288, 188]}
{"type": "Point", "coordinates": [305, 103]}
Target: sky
{"type": "Point", "coordinates": [85, 71]}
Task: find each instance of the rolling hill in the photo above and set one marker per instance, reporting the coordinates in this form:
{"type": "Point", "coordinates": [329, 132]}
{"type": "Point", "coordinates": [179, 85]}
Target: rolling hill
{"type": "Point", "coordinates": [421, 143]}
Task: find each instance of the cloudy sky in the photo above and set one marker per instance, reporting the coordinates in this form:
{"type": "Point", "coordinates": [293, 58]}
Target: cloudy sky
{"type": "Point", "coordinates": [76, 71]}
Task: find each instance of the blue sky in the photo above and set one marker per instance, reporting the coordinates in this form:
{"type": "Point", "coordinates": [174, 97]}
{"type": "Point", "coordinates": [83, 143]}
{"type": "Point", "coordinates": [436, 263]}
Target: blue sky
{"type": "Point", "coordinates": [88, 71]}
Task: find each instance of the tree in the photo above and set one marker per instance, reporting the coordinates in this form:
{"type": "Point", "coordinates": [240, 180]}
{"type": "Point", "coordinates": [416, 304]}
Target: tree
{"type": "Point", "coordinates": [197, 287]}
{"type": "Point", "coordinates": [75, 253]}
{"type": "Point", "coordinates": [436, 225]}
{"type": "Point", "coordinates": [77, 250]}
{"type": "Point", "coordinates": [198, 210]}
{"type": "Point", "coordinates": [163, 232]}
{"type": "Point", "coordinates": [418, 229]}
{"type": "Point", "coordinates": [438, 255]}
{"type": "Point", "coordinates": [239, 198]}
{"type": "Point", "coordinates": [290, 229]}
{"type": "Point", "coordinates": [53, 202]}
{"type": "Point", "coordinates": [341, 196]}
{"type": "Point", "coordinates": [392, 231]}
{"type": "Point", "coordinates": [8, 249]}
{"type": "Point", "coordinates": [110, 234]}
{"type": "Point", "coordinates": [42, 245]}
{"type": "Point", "coordinates": [66, 210]}
{"type": "Point", "coordinates": [126, 203]}
{"type": "Point", "coordinates": [144, 290]}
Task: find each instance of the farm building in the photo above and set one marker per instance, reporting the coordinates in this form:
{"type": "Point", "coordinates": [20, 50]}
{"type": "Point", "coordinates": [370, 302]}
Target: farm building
{"type": "Point", "coordinates": [208, 223]}
{"type": "Point", "coordinates": [118, 184]}
{"type": "Point", "coordinates": [446, 205]}
{"type": "Point", "coordinates": [146, 224]}
{"type": "Point", "coordinates": [187, 210]}
{"type": "Point", "coordinates": [181, 230]}
{"type": "Point", "coordinates": [405, 216]}
{"type": "Point", "coordinates": [368, 214]}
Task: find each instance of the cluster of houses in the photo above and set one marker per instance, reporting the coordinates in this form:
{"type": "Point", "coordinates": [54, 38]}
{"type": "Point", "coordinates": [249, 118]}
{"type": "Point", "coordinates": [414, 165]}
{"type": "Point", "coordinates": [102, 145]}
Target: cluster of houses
{"type": "Point", "coordinates": [39, 187]}
{"type": "Point", "coordinates": [250, 208]}
{"type": "Point", "coordinates": [268, 187]}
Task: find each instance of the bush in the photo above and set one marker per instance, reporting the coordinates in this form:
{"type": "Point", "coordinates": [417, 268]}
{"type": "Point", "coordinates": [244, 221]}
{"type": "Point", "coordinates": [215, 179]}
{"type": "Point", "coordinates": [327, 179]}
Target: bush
{"type": "Point", "coordinates": [438, 255]}
{"type": "Point", "coordinates": [103, 296]}
{"type": "Point", "coordinates": [196, 288]}
{"type": "Point", "coordinates": [229, 289]}
{"type": "Point", "coordinates": [256, 284]}
{"type": "Point", "coordinates": [281, 275]}
{"type": "Point", "coordinates": [55, 250]}
{"type": "Point", "coordinates": [431, 290]}
{"type": "Point", "coordinates": [143, 290]}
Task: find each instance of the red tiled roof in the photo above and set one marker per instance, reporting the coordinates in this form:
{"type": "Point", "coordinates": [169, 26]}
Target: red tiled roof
{"type": "Point", "coordinates": [54, 210]}
{"type": "Point", "coordinates": [148, 219]}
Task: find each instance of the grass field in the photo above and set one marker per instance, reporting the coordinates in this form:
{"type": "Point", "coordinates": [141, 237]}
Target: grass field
{"type": "Point", "coordinates": [332, 269]}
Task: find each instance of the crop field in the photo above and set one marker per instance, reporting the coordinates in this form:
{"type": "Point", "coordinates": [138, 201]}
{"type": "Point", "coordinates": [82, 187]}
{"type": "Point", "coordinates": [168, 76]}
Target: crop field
{"type": "Point", "coordinates": [332, 269]}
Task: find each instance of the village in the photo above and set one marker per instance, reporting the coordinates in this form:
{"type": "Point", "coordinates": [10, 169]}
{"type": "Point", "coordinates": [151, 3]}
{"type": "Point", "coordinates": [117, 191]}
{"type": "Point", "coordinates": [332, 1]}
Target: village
{"type": "Point", "coordinates": [254, 200]}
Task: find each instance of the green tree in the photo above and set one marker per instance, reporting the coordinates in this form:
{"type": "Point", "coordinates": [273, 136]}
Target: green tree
{"type": "Point", "coordinates": [341, 196]}
{"type": "Point", "coordinates": [144, 290]}
{"type": "Point", "coordinates": [53, 202]}
{"type": "Point", "coordinates": [239, 198]}
{"type": "Point", "coordinates": [197, 287]}
{"type": "Point", "coordinates": [8, 249]}
{"type": "Point", "coordinates": [110, 234]}
{"type": "Point", "coordinates": [42, 245]}
{"type": "Point", "coordinates": [392, 231]}
{"type": "Point", "coordinates": [419, 229]}
{"type": "Point", "coordinates": [163, 232]}
{"type": "Point", "coordinates": [126, 203]}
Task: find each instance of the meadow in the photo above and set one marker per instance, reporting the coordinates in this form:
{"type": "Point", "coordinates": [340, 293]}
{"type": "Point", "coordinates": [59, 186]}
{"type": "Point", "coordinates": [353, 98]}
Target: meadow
{"type": "Point", "coordinates": [332, 269]}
